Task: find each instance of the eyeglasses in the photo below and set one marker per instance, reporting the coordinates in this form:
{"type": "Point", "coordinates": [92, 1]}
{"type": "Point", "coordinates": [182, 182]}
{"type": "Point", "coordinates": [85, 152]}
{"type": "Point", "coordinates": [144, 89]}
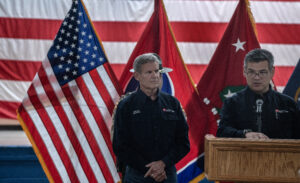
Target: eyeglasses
{"type": "Point", "coordinates": [261, 74]}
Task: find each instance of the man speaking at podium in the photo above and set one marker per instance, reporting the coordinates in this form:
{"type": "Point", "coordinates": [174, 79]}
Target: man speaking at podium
{"type": "Point", "coordinates": [258, 111]}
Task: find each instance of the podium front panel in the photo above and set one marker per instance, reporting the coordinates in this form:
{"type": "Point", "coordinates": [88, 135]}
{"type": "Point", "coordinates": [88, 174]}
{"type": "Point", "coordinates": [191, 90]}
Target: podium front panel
{"type": "Point", "coordinates": [236, 159]}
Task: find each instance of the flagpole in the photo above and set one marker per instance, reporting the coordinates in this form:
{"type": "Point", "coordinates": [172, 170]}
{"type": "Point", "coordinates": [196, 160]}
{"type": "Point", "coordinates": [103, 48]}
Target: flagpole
{"type": "Point", "coordinates": [251, 16]}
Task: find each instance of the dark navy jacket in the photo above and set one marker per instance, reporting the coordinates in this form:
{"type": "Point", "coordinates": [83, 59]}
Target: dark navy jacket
{"type": "Point", "coordinates": [146, 130]}
{"type": "Point", "coordinates": [280, 116]}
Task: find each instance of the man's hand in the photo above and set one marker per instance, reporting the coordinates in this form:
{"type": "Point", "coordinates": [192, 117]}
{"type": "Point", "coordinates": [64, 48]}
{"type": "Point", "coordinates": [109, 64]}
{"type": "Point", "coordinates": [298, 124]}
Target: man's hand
{"type": "Point", "coordinates": [156, 171]}
{"type": "Point", "coordinates": [256, 135]}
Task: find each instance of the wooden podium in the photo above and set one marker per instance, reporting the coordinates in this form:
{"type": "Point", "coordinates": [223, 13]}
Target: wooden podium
{"type": "Point", "coordinates": [244, 160]}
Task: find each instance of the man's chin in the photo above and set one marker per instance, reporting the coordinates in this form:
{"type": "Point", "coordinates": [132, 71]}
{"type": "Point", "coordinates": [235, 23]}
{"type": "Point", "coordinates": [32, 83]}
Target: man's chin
{"type": "Point", "coordinates": [257, 90]}
{"type": "Point", "coordinates": [155, 85]}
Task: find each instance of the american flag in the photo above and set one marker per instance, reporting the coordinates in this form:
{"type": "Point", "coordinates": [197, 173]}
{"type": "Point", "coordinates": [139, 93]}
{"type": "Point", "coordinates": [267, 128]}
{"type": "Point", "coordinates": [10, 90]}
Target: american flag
{"type": "Point", "coordinates": [66, 112]}
{"type": "Point", "coordinates": [198, 25]}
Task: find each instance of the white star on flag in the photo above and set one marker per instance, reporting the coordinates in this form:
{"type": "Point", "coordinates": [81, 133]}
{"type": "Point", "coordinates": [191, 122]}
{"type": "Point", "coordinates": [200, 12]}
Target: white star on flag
{"type": "Point", "coordinates": [239, 45]}
{"type": "Point", "coordinates": [229, 94]}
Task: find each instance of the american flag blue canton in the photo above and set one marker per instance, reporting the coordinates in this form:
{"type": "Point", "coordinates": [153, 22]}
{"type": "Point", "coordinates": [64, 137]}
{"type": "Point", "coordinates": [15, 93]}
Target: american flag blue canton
{"type": "Point", "coordinates": [76, 48]}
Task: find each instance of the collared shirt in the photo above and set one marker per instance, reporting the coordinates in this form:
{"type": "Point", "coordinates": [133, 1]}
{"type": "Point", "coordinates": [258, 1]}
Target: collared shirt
{"type": "Point", "coordinates": [147, 130]}
{"type": "Point", "coordinates": [279, 116]}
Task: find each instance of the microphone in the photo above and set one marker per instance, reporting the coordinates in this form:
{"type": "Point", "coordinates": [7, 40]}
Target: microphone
{"type": "Point", "coordinates": [259, 103]}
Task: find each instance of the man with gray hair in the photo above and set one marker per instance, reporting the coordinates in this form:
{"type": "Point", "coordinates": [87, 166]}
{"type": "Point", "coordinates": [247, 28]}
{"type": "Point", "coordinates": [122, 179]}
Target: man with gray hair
{"type": "Point", "coordinates": [150, 129]}
{"type": "Point", "coordinates": [258, 111]}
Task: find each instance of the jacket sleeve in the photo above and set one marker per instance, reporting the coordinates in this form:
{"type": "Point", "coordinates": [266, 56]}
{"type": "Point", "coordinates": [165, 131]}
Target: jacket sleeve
{"type": "Point", "coordinates": [226, 127]}
{"type": "Point", "coordinates": [296, 129]}
{"type": "Point", "coordinates": [182, 144]}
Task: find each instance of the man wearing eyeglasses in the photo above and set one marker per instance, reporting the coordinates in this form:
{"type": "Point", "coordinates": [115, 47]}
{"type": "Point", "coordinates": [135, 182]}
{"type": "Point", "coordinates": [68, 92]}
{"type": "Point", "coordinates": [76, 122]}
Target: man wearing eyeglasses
{"type": "Point", "coordinates": [258, 111]}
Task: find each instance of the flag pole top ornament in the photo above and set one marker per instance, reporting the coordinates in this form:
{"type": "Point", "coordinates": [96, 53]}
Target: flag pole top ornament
{"type": "Point", "coordinates": [161, 68]}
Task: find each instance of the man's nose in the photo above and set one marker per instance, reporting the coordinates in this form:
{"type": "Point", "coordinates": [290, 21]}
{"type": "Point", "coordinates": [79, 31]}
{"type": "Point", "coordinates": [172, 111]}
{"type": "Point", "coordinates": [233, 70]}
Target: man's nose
{"type": "Point", "coordinates": [257, 75]}
{"type": "Point", "coordinates": [155, 74]}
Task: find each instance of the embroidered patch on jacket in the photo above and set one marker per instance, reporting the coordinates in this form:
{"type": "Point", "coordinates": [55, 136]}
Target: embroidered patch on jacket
{"type": "Point", "coordinates": [136, 112]}
{"type": "Point", "coordinates": [168, 110]}
{"type": "Point", "coordinates": [278, 112]}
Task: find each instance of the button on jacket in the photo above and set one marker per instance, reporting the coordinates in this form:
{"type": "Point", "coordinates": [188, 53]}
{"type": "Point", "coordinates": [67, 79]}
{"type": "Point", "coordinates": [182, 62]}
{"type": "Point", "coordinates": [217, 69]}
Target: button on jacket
{"type": "Point", "coordinates": [147, 131]}
{"type": "Point", "coordinates": [280, 115]}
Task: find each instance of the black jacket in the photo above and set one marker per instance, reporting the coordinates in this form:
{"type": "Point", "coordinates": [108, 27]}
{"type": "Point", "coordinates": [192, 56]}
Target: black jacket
{"type": "Point", "coordinates": [280, 115]}
{"type": "Point", "coordinates": [146, 130]}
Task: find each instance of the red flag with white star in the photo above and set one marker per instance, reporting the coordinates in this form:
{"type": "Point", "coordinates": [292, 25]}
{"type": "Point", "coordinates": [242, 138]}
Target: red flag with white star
{"type": "Point", "coordinates": [223, 77]}
{"type": "Point", "coordinates": [224, 74]}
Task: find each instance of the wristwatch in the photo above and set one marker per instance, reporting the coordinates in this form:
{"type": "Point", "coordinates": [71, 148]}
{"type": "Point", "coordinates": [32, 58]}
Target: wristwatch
{"type": "Point", "coordinates": [246, 131]}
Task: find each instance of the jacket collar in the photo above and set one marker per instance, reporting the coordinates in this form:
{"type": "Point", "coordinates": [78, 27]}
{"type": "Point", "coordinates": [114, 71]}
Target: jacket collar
{"type": "Point", "coordinates": [254, 96]}
{"type": "Point", "coordinates": [142, 97]}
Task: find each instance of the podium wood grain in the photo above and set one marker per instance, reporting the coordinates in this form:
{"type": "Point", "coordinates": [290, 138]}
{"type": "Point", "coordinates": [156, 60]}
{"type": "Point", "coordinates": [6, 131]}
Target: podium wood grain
{"type": "Point", "coordinates": [243, 160]}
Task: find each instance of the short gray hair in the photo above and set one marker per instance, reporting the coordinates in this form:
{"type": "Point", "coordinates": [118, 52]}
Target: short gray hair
{"type": "Point", "coordinates": [259, 55]}
{"type": "Point", "coordinates": [145, 58]}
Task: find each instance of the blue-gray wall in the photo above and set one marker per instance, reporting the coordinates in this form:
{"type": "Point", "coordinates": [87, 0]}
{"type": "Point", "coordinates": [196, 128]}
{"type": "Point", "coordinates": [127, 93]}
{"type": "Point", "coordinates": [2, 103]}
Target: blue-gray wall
{"type": "Point", "coordinates": [20, 164]}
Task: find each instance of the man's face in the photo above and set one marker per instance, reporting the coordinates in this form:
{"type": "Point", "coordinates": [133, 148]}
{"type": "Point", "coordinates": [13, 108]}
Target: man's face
{"type": "Point", "coordinates": [149, 77]}
{"type": "Point", "coordinates": [258, 76]}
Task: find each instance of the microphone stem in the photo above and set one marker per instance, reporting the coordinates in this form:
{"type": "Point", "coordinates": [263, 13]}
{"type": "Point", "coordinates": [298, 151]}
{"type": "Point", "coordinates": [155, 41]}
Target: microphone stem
{"type": "Point", "coordinates": [259, 123]}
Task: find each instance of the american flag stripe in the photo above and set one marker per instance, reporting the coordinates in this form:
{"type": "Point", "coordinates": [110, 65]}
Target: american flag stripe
{"type": "Point", "coordinates": [177, 10]}
{"type": "Point", "coordinates": [93, 154]}
{"type": "Point", "coordinates": [7, 107]}
{"type": "Point", "coordinates": [77, 119]}
{"type": "Point", "coordinates": [78, 122]}
{"type": "Point", "coordinates": [18, 87]}
{"type": "Point", "coordinates": [57, 131]}
{"type": "Point", "coordinates": [95, 95]}
{"type": "Point", "coordinates": [39, 148]}
{"type": "Point", "coordinates": [29, 28]}
{"type": "Point", "coordinates": [18, 70]}
{"type": "Point", "coordinates": [46, 140]}
{"type": "Point", "coordinates": [130, 31]}
{"type": "Point", "coordinates": [95, 137]}
{"type": "Point", "coordinates": [102, 138]}
{"type": "Point", "coordinates": [67, 125]}
{"type": "Point", "coordinates": [11, 47]}
{"type": "Point", "coordinates": [88, 128]}
{"type": "Point", "coordinates": [100, 99]}
{"type": "Point", "coordinates": [124, 8]}
{"type": "Point", "coordinates": [102, 71]}
{"type": "Point", "coordinates": [103, 128]}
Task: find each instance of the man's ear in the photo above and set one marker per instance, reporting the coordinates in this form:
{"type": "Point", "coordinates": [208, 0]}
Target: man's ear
{"type": "Point", "coordinates": [244, 73]}
{"type": "Point", "coordinates": [136, 76]}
